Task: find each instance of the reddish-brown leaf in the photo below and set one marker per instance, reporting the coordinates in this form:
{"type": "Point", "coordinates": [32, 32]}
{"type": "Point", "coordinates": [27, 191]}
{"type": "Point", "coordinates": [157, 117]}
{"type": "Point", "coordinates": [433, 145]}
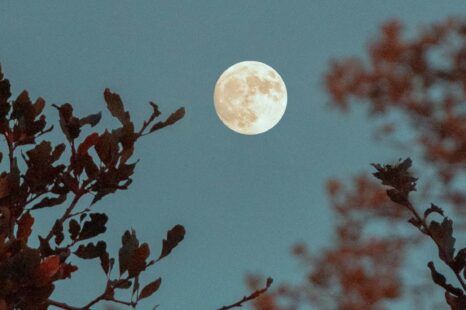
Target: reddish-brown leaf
{"type": "Point", "coordinates": [57, 231]}
{"type": "Point", "coordinates": [4, 186]}
{"type": "Point", "coordinates": [68, 269]}
{"type": "Point", "coordinates": [89, 142]}
{"type": "Point", "coordinates": [91, 251]}
{"type": "Point", "coordinates": [25, 227]}
{"type": "Point", "coordinates": [48, 268]}
{"type": "Point", "coordinates": [116, 108]}
{"type": "Point", "coordinates": [92, 119]}
{"type": "Point", "coordinates": [74, 228]}
{"type": "Point", "coordinates": [95, 226]}
{"type": "Point", "coordinates": [172, 119]}
{"type": "Point", "coordinates": [137, 262]}
{"type": "Point", "coordinates": [174, 236]}
{"type": "Point", "coordinates": [129, 243]}
{"type": "Point", "coordinates": [49, 202]}
{"type": "Point", "coordinates": [150, 288]}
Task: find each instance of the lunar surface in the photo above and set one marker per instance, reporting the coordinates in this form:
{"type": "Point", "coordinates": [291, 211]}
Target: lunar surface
{"type": "Point", "coordinates": [250, 97]}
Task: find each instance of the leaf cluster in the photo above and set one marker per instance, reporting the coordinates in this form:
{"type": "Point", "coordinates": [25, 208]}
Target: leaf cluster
{"type": "Point", "coordinates": [43, 175]}
{"type": "Point", "coordinates": [399, 178]}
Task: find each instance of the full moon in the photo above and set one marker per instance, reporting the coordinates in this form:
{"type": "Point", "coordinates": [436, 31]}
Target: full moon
{"type": "Point", "coordinates": [250, 97]}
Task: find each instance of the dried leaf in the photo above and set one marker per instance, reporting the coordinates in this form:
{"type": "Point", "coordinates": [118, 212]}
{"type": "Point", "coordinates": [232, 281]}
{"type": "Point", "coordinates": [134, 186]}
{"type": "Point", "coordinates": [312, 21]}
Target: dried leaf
{"type": "Point", "coordinates": [4, 186]}
{"type": "Point", "coordinates": [397, 176]}
{"type": "Point", "coordinates": [89, 142]}
{"type": "Point", "coordinates": [433, 209]}
{"type": "Point", "coordinates": [58, 151]}
{"type": "Point", "coordinates": [150, 289]}
{"type": "Point", "coordinates": [91, 251]}
{"type": "Point", "coordinates": [39, 105]}
{"type": "Point", "coordinates": [443, 236]}
{"type": "Point", "coordinates": [137, 262]}
{"type": "Point", "coordinates": [155, 107]}
{"type": "Point", "coordinates": [455, 302]}
{"type": "Point", "coordinates": [92, 119]}
{"type": "Point", "coordinates": [5, 94]}
{"type": "Point", "coordinates": [48, 268]}
{"type": "Point", "coordinates": [129, 243]}
{"type": "Point", "coordinates": [105, 262]}
{"type": "Point", "coordinates": [174, 236]}
{"type": "Point", "coordinates": [107, 148]}
{"type": "Point", "coordinates": [68, 269]}
{"type": "Point", "coordinates": [45, 249]}
{"type": "Point", "coordinates": [57, 231]}
{"type": "Point", "coordinates": [95, 226]}
{"type": "Point", "coordinates": [440, 280]}
{"type": "Point", "coordinates": [69, 124]}
{"type": "Point", "coordinates": [172, 119]}
{"type": "Point", "coordinates": [49, 202]}
{"type": "Point", "coordinates": [460, 260]}
{"type": "Point", "coordinates": [116, 108]}
{"type": "Point", "coordinates": [25, 227]}
{"type": "Point", "coordinates": [122, 284]}
{"type": "Point", "coordinates": [74, 228]}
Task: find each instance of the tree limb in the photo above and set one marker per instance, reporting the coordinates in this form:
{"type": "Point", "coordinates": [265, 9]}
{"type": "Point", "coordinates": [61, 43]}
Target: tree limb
{"type": "Point", "coordinates": [254, 295]}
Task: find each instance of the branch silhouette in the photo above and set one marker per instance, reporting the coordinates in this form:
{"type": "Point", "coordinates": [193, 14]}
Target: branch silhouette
{"type": "Point", "coordinates": [401, 183]}
{"type": "Point", "coordinates": [98, 165]}
{"type": "Point", "coordinates": [250, 297]}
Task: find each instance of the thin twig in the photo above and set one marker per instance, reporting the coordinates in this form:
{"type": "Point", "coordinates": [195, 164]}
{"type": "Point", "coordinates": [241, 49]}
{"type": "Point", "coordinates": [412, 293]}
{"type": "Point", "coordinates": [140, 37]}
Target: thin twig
{"type": "Point", "coordinates": [106, 295]}
{"type": "Point", "coordinates": [254, 295]}
{"type": "Point", "coordinates": [61, 305]}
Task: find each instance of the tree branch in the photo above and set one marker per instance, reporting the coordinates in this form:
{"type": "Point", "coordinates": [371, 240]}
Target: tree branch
{"type": "Point", "coordinates": [61, 305]}
{"type": "Point", "coordinates": [106, 295]}
{"type": "Point", "coordinates": [428, 232]}
{"type": "Point", "coordinates": [66, 214]}
{"type": "Point", "coordinates": [254, 295]}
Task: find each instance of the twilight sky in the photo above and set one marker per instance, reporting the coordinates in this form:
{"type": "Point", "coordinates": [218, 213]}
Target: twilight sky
{"type": "Point", "coordinates": [244, 200]}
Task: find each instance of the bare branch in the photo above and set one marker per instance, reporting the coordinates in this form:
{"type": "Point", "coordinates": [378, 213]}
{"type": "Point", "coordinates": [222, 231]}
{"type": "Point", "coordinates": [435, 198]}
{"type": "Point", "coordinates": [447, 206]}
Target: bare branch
{"type": "Point", "coordinates": [254, 295]}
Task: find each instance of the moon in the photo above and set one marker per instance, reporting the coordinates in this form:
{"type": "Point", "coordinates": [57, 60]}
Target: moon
{"type": "Point", "coordinates": [250, 97]}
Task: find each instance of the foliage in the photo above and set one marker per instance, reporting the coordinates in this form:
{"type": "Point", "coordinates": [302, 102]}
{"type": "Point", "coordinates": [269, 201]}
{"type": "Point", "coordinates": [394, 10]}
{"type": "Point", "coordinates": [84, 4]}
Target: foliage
{"type": "Point", "coordinates": [43, 175]}
{"type": "Point", "coordinates": [416, 89]}
{"type": "Point", "coordinates": [424, 81]}
{"type": "Point", "coordinates": [98, 165]}
{"type": "Point", "coordinates": [401, 183]}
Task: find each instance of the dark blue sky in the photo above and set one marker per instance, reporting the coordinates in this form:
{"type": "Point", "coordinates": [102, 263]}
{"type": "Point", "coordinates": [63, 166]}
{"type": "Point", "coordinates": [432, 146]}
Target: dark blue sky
{"type": "Point", "coordinates": [244, 200]}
